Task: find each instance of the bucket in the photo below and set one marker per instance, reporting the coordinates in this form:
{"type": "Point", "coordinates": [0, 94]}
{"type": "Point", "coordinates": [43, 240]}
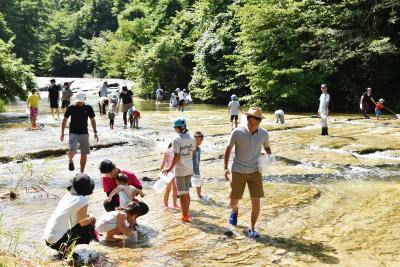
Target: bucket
{"type": "Point", "coordinates": [265, 162]}
{"type": "Point", "coordinates": [167, 178]}
{"type": "Point", "coordinates": [159, 186]}
{"type": "Point", "coordinates": [196, 181]}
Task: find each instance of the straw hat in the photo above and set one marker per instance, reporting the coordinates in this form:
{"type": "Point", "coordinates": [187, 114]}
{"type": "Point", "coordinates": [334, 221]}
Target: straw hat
{"type": "Point", "coordinates": [255, 112]}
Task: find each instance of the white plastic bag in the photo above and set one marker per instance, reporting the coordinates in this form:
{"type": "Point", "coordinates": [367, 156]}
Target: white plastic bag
{"type": "Point", "coordinates": [196, 181]}
{"type": "Point", "coordinates": [265, 162]}
{"type": "Point", "coordinates": [167, 178]}
{"type": "Point", "coordinates": [159, 186]}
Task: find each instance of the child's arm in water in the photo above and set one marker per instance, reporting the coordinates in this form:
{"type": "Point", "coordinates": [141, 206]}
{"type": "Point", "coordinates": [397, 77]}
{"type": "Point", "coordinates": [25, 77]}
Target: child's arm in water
{"type": "Point", "coordinates": [121, 227]}
{"type": "Point", "coordinates": [114, 192]}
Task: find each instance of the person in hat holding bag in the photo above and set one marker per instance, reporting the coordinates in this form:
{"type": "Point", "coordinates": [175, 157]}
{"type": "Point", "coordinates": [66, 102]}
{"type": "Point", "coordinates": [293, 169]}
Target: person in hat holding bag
{"type": "Point", "coordinates": [71, 224]}
{"type": "Point", "coordinates": [323, 109]}
{"type": "Point", "coordinates": [78, 130]}
{"type": "Point", "coordinates": [248, 142]}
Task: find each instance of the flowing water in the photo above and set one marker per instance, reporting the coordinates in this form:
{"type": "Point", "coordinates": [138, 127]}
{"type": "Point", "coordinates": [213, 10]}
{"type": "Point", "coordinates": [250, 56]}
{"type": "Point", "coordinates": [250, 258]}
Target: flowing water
{"type": "Point", "coordinates": [329, 200]}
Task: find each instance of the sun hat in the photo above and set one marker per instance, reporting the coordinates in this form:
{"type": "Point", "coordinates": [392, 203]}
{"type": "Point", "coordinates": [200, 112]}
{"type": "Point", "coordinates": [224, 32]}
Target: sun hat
{"type": "Point", "coordinates": [82, 184]}
{"type": "Point", "coordinates": [255, 112]}
{"type": "Point", "coordinates": [324, 85]}
{"type": "Point", "coordinates": [234, 97]}
{"type": "Point", "coordinates": [124, 88]}
{"type": "Point", "coordinates": [80, 97]}
{"type": "Point", "coordinates": [180, 122]}
{"type": "Point", "coordinates": [381, 100]}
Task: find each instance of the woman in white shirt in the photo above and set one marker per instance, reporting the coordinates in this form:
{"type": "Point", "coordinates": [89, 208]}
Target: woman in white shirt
{"type": "Point", "coordinates": [71, 224]}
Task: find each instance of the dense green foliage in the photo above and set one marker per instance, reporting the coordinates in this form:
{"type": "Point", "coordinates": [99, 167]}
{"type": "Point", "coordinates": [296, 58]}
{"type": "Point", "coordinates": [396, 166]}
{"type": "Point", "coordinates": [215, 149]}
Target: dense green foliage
{"type": "Point", "coordinates": [272, 53]}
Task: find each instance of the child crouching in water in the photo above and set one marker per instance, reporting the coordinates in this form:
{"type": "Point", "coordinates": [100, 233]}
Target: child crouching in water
{"type": "Point", "coordinates": [122, 222]}
{"type": "Point", "coordinates": [125, 192]}
{"type": "Point", "coordinates": [167, 161]}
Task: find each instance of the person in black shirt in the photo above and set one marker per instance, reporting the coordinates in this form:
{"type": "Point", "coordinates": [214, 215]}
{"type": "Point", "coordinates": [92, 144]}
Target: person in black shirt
{"type": "Point", "coordinates": [126, 97]}
{"type": "Point", "coordinates": [54, 96]}
{"type": "Point", "coordinates": [78, 130]}
{"type": "Point", "coordinates": [366, 101]}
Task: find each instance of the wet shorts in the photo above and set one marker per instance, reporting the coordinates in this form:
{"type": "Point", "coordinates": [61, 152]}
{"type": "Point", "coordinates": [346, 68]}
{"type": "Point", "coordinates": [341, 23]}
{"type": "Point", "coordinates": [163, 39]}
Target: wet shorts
{"type": "Point", "coordinates": [254, 182]}
{"type": "Point", "coordinates": [82, 140]}
{"type": "Point", "coordinates": [183, 184]}
{"type": "Point", "coordinates": [234, 117]}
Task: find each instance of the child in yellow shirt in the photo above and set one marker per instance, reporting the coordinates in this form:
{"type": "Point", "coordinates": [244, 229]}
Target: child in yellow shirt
{"type": "Point", "coordinates": [33, 105]}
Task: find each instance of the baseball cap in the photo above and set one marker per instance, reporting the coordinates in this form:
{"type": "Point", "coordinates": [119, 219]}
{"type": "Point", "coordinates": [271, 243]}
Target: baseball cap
{"type": "Point", "coordinates": [80, 97]}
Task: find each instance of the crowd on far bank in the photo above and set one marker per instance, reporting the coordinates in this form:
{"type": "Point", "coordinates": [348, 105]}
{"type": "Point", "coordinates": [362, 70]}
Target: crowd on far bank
{"type": "Point", "coordinates": [72, 224]}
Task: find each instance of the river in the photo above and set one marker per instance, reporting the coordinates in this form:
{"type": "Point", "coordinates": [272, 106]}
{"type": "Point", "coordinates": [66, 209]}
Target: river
{"type": "Point", "coordinates": [329, 200]}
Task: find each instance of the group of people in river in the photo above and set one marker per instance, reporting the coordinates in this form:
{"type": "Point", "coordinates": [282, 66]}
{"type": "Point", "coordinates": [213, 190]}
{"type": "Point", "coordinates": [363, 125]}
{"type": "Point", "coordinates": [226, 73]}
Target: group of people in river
{"type": "Point", "coordinates": [71, 224]}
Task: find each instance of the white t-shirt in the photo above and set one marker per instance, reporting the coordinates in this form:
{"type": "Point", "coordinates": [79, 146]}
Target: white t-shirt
{"type": "Point", "coordinates": [234, 105]}
{"type": "Point", "coordinates": [184, 145]}
{"type": "Point", "coordinates": [181, 95]}
{"type": "Point", "coordinates": [102, 99]}
{"type": "Point", "coordinates": [279, 112]}
{"type": "Point", "coordinates": [64, 217]}
{"type": "Point", "coordinates": [324, 103]}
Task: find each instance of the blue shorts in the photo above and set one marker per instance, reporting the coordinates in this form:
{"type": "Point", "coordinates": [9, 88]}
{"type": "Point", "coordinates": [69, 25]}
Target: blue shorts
{"type": "Point", "coordinates": [378, 112]}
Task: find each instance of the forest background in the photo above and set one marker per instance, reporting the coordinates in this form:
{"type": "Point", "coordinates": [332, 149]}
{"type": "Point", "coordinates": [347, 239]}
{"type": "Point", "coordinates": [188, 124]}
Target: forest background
{"type": "Point", "coordinates": [271, 53]}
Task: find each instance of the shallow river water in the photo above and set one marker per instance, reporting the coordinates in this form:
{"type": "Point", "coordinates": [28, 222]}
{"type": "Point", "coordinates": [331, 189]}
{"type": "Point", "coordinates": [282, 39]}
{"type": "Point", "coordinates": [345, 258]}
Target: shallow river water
{"type": "Point", "coordinates": [329, 200]}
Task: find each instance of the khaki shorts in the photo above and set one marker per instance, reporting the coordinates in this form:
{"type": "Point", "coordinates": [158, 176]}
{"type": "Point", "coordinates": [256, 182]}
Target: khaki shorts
{"type": "Point", "coordinates": [183, 184]}
{"type": "Point", "coordinates": [254, 182]}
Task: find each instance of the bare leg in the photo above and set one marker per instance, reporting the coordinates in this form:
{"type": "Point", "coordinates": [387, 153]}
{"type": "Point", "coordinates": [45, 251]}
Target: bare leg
{"type": "Point", "coordinates": [166, 194]}
{"type": "Point", "coordinates": [174, 193]}
{"type": "Point", "coordinates": [236, 124]}
{"type": "Point", "coordinates": [83, 162]}
{"type": "Point", "coordinates": [52, 113]}
{"type": "Point", "coordinates": [185, 203]}
{"type": "Point", "coordinates": [198, 189]}
{"type": "Point", "coordinates": [234, 204]}
{"type": "Point", "coordinates": [71, 154]}
{"type": "Point", "coordinates": [58, 113]}
{"type": "Point", "coordinates": [255, 211]}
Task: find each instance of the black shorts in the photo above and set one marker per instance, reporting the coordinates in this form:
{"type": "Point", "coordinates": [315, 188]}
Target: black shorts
{"type": "Point", "coordinates": [181, 102]}
{"type": "Point", "coordinates": [234, 117]}
{"type": "Point", "coordinates": [65, 103]}
{"type": "Point", "coordinates": [53, 103]}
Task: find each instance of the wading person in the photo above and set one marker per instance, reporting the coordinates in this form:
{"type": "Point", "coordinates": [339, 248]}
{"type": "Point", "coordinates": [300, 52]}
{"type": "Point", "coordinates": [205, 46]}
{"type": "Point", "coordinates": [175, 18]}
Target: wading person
{"type": "Point", "coordinates": [111, 172]}
{"type": "Point", "coordinates": [159, 94]}
{"type": "Point", "coordinates": [366, 101]}
{"type": "Point", "coordinates": [280, 116]}
{"type": "Point", "coordinates": [323, 110]}
{"type": "Point", "coordinates": [78, 130]}
{"type": "Point", "coordinates": [183, 146]}
{"type": "Point", "coordinates": [248, 142]}
{"type": "Point", "coordinates": [54, 96]}
{"type": "Point", "coordinates": [33, 106]}
{"type": "Point", "coordinates": [66, 95]}
{"type": "Point", "coordinates": [126, 97]}
{"type": "Point", "coordinates": [71, 224]}
{"type": "Point", "coordinates": [233, 108]}
{"type": "Point", "coordinates": [103, 92]}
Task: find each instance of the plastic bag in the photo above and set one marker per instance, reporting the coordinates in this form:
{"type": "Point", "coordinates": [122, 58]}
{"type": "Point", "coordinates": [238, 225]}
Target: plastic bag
{"type": "Point", "coordinates": [167, 178]}
{"type": "Point", "coordinates": [265, 162]}
{"type": "Point", "coordinates": [196, 181]}
{"type": "Point", "coordinates": [159, 186]}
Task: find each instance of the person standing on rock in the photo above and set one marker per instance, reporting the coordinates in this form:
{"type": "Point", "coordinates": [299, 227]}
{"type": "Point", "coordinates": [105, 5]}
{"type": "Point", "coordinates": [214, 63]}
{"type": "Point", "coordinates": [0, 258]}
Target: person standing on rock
{"type": "Point", "coordinates": [111, 172]}
{"type": "Point", "coordinates": [54, 96]}
{"type": "Point", "coordinates": [66, 95]}
{"type": "Point", "coordinates": [126, 97]}
{"type": "Point", "coordinates": [323, 110]}
{"type": "Point", "coordinates": [78, 130]}
{"type": "Point", "coordinates": [366, 101]}
{"type": "Point", "coordinates": [248, 142]}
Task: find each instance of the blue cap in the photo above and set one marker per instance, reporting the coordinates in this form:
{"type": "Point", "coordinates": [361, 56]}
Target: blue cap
{"type": "Point", "coordinates": [180, 122]}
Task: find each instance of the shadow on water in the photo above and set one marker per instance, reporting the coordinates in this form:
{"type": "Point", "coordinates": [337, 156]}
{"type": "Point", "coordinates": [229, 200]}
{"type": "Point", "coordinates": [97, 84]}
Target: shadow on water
{"type": "Point", "coordinates": [315, 249]}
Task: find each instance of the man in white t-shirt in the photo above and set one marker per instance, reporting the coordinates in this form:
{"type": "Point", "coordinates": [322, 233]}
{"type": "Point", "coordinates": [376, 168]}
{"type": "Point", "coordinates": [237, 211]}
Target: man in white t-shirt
{"type": "Point", "coordinates": [233, 109]}
{"type": "Point", "coordinates": [323, 109]}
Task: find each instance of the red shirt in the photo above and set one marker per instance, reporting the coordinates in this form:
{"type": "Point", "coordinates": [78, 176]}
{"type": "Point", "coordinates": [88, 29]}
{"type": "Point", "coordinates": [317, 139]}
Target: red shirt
{"type": "Point", "coordinates": [109, 183]}
{"type": "Point", "coordinates": [378, 105]}
{"type": "Point", "coordinates": [136, 114]}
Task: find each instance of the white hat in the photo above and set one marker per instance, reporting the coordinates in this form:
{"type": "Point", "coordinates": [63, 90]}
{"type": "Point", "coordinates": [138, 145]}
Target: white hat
{"type": "Point", "coordinates": [80, 97]}
{"type": "Point", "coordinates": [381, 100]}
